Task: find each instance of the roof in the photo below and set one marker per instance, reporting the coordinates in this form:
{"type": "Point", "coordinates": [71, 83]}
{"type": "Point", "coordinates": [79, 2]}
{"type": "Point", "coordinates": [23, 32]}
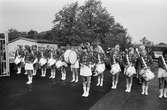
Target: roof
{"type": "Point", "coordinates": [27, 39]}
{"type": "Point", "coordinates": [35, 40]}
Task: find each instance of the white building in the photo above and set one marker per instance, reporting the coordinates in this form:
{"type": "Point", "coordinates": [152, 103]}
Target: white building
{"type": "Point", "coordinates": [12, 45]}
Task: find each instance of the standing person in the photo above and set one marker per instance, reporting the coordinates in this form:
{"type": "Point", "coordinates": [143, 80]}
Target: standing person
{"type": "Point", "coordinates": [85, 70]}
{"type": "Point", "coordinates": [43, 63]}
{"type": "Point", "coordinates": [145, 72]}
{"type": "Point", "coordinates": [36, 59]}
{"type": "Point", "coordinates": [75, 68]}
{"type": "Point", "coordinates": [51, 63]}
{"type": "Point", "coordinates": [19, 57]}
{"type": "Point", "coordinates": [115, 66]}
{"type": "Point", "coordinates": [29, 64]}
{"type": "Point", "coordinates": [129, 71]}
{"type": "Point", "coordinates": [162, 76]}
{"type": "Point", "coordinates": [100, 65]}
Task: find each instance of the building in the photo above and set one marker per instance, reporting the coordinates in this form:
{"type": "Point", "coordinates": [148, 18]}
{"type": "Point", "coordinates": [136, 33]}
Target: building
{"type": "Point", "coordinates": [12, 45]}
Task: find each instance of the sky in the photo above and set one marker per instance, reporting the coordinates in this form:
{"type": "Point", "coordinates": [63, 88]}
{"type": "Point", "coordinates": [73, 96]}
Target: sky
{"type": "Point", "coordinates": [140, 17]}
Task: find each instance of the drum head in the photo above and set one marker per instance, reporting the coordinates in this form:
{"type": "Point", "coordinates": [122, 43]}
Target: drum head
{"type": "Point", "coordinates": [72, 57]}
{"type": "Point", "coordinates": [66, 55]}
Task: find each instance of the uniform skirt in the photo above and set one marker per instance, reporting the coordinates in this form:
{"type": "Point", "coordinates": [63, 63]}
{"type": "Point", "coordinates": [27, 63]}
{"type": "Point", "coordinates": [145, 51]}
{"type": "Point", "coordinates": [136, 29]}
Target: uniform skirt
{"type": "Point", "coordinates": [75, 65]}
{"type": "Point", "coordinates": [85, 71]}
{"type": "Point", "coordinates": [162, 73]}
{"type": "Point", "coordinates": [29, 66]}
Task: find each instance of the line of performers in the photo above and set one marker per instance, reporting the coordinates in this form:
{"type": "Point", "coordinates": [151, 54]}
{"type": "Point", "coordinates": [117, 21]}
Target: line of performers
{"type": "Point", "coordinates": [90, 60]}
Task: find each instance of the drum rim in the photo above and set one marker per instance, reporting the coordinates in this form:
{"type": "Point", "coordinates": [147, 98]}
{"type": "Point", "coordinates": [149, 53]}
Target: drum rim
{"type": "Point", "coordinates": [76, 58]}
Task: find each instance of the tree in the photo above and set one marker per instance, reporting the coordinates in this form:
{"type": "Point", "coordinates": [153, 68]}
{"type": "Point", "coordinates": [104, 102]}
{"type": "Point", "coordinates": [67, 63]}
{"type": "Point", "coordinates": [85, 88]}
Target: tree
{"type": "Point", "coordinates": [145, 41]}
{"type": "Point", "coordinates": [13, 34]}
{"type": "Point", "coordinates": [88, 22]}
{"type": "Point", "coordinates": [32, 34]}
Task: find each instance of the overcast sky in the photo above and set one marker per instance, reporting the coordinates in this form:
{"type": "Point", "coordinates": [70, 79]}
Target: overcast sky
{"type": "Point", "coordinates": [141, 17]}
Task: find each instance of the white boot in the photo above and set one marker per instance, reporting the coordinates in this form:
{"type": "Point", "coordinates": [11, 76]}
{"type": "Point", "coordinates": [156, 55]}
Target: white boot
{"type": "Point", "coordinates": [42, 75]}
{"type": "Point", "coordinates": [87, 92]}
{"type": "Point", "coordinates": [84, 89]}
{"type": "Point", "coordinates": [126, 90]}
{"type": "Point", "coordinates": [29, 80]}
{"type": "Point", "coordinates": [101, 83]}
{"type": "Point", "coordinates": [51, 76]}
{"type": "Point", "coordinates": [115, 85]}
{"type": "Point", "coordinates": [161, 93]}
{"type": "Point", "coordinates": [76, 80]}
{"type": "Point", "coordinates": [18, 70]}
{"type": "Point", "coordinates": [143, 88]}
{"type": "Point", "coordinates": [34, 72]}
{"type": "Point", "coordinates": [130, 86]}
{"type": "Point", "coordinates": [146, 90]}
{"type": "Point", "coordinates": [98, 81]}
{"type": "Point", "coordinates": [73, 78]}
{"type": "Point", "coordinates": [165, 93]}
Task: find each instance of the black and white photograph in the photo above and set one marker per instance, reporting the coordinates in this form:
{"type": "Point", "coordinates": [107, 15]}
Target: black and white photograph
{"type": "Point", "coordinates": [83, 55]}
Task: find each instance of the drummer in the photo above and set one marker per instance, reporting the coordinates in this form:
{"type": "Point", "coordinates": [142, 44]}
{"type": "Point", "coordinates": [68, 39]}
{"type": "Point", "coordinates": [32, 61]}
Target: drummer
{"type": "Point", "coordinates": [100, 65]}
{"type": "Point", "coordinates": [20, 55]}
{"type": "Point", "coordinates": [29, 63]}
{"type": "Point", "coordinates": [145, 63]}
{"type": "Point", "coordinates": [115, 58]}
{"type": "Point", "coordinates": [85, 70]}
{"type": "Point", "coordinates": [75, 67]}
{"type": "Point", "coordinates": [36, 55]}
{"type": "Point", "coordinates": [51, 63]}
{"type": "Point", "coordinates": [45, 56]}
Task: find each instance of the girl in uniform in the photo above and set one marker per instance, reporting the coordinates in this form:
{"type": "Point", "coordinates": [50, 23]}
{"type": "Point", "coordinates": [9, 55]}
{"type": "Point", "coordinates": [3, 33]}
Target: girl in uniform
{"type": "Point", "coordinates": [85, 71]}
{"type": "Point", "coordinates": [100, 65]}
{"type": "Point", "coordinates": [74, 68]}
{"type": "Point", "coordinates": [51, 64]}
{"type": "Point", "coordinates": [145, 72]}
{"type": "Point", "coordinates": [129, 71]}
{"type": "Point", "coordinates": [162, 76]}
{"type": "Point", "coordinates": [29, 64]}
{"type": "Point", "coordinates": [19, 57]}
{"type": "Point", "coordinates": [115, 66]}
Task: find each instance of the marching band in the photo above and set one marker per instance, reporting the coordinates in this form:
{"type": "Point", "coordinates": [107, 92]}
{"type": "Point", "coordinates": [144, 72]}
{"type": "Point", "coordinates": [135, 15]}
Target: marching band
{"type": "Point", "coordinates": [89, 60]}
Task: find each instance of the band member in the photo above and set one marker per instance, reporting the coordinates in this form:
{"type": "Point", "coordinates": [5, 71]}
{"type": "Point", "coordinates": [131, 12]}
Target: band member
{"type": "Point", "coordinates": [36, 55]}
{"type": "Point", "coordinates": [162, 76]}
{"type": "Point", "coordinates": [19, 57]}
{"type": "Point", "coordinates": [43, 63]}
{"type": "Point", "coordinates": [129, 71]}
{"type": "Point", "coordinates": [29, 64]}
{"type": "Point", "coordinates": [75, 68]}
{"type": "Point", "coordinates": [100, 65]}
{"type": "Point", "coordinates": [145, 72]}
{"type": "Point", "coordinates": [85, 70]}
{"type": "Point", "coordinates": [115, 66]}
{"type": "Point", "coordinates": [51, 63]}
{"type": "Point", "coordinates": [60, 64]}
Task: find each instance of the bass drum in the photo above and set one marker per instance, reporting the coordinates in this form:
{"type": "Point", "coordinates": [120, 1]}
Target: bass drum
{"type": "Point", "coordinates": [100, 68]}
{"type": "Point", "coordinates": [70, 56]}
{"type": "Point", "coordinates": [66, 55]}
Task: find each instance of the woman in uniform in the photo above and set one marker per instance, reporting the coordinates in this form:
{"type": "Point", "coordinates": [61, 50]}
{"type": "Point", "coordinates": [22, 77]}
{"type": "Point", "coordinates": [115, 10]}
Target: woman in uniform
{"type": "Point", "coordinates": [85, 70]}
{"type": "Point", "coordinates": [75, 68]}
{"type": "Point", "coordinates": [115, 66]}
{"type": "Point", "coordinates": [100, 64]}
{"type": "Point", "coordinates": [19, 58]}
{"type": "Point", "coordinates": [146, 75]}
{"type": "Point", "coordinates": [29, 64]}
{"type": "Point", "coordinates": [129, 70]}
{"type": "Point", "coordinates": [162, 76]}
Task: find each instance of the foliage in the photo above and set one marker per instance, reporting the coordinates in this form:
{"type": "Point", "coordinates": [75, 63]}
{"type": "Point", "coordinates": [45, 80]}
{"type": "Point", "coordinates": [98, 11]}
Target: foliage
{"type": "Point", "coordinates": [89, 22]}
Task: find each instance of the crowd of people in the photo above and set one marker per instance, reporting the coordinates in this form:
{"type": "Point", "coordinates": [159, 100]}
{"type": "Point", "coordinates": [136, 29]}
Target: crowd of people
{"type": "Point", "coordinates": [88, 60]}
